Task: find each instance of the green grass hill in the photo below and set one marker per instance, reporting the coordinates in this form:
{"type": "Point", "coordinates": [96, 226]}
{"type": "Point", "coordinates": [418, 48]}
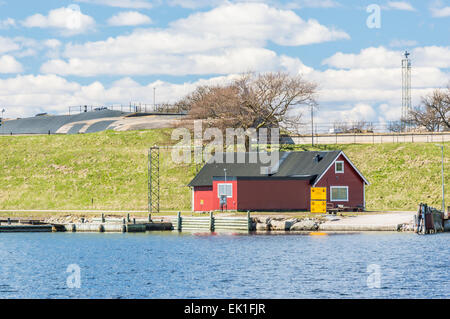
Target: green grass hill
{"type": "Point", "coordinates": [108, 170]}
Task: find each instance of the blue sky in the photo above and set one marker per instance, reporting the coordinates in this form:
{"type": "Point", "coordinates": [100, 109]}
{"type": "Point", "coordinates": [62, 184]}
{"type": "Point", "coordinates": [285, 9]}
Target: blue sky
{"type": "Point", "coordinates": [59, 53]}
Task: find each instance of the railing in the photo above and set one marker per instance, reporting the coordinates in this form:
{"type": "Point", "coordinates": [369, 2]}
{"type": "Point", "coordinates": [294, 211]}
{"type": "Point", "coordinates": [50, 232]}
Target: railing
{"type": "Point", "coordinates": [368, 138]}
{"type": "Point", "coordinates": [130, 108]}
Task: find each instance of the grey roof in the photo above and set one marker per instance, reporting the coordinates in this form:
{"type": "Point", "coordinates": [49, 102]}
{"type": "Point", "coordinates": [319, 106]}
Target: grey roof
{"type": "Point", "coordinates": [299, 165]}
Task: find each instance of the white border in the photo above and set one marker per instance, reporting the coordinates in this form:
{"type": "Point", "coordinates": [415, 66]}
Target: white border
{"type": "Point", "coordinates": [338, 200]}
{"type": "Point", "coordinates": [335, 170]}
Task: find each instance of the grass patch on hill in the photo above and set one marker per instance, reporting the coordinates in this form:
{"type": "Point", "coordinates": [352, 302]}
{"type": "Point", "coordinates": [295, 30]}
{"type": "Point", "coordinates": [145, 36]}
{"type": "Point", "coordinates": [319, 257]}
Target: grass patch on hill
{"type": "Point", "coordinates": [110, 169]}
{"type": "Point", "coordinates": [106, 170]}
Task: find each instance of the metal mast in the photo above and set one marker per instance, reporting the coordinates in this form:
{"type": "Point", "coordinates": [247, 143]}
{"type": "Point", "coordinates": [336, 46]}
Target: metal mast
{"type": "Point", "coordinates": [406, 89]}
{"type": "Point", "coordinates": [153, 179]}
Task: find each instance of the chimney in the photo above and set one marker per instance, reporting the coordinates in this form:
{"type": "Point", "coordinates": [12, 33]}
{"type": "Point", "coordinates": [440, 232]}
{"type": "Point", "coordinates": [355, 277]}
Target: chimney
{"type": "Point", "coordinates": [317, 158]}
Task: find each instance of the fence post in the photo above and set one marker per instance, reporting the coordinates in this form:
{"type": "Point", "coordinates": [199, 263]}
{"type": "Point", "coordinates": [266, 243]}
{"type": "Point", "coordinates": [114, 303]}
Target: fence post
{"type": "Point", "coordinates": [149, 218]}
{"type": "Point", "coordinates": [103, 217]}
{"type": "Point", "coordinates": [179, 221]}
{"type": "Point", "coordinates": [128, 217]}
{"type": "Point", "coordinates": [249, 221]}
{"type": "Point", "coordinates": [211, 221]}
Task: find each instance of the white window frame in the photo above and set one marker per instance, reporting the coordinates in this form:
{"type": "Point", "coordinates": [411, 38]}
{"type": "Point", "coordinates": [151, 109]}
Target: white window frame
{"type": "Point", "coordinates": [218, 187]}
{"type": "Point", "coordinates": [335, 167]}
{"type": "Point", "coordinates": [338, 200]}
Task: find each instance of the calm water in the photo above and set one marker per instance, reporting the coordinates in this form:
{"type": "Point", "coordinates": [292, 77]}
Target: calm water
{"type": "Point", "coordinates": [167, 265]}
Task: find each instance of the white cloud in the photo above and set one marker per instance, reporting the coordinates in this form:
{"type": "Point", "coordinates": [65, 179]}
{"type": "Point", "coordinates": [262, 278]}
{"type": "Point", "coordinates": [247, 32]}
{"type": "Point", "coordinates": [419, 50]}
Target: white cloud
{"type": "Point", "coordinates": [298, 4]}
{"type": "Point", "coordinates": [400, 5]}
{"type": "Point", "coordinates": [8, 45]}
{"type": "Point", "coordinates": [194, 4]}
{"type": "Point", "coordinates": [9, 64]}
{"type": "Point", "coordinates": [233, 60]}
{"type": "Point", "coordinates": [52, 43]}
{"type": "Point", "coordinates": [212, 42]}
{"type": "Point", "coordinates": [367, 58]}
{"type": "Point", "coordinates": [7, 23]}
{"type": "Point", "coordinates": [439, 10]}
{"type": "Point", "coordinates": [294, 4]}
{"type": "Point", "coordinates": [284, 27]}
{"type": "Point", "coordinates": [351, 113]}
{"type": "Point", "coordinates": [19, 46]}
{"type": "Point", "coordinates": [134, 4]}
{"type": "Point", "coordinates": [431, 56]}
{"type": "Point", "coordinates": [69, 21]}
{"type": "Point", "coordinates": [129, 18]}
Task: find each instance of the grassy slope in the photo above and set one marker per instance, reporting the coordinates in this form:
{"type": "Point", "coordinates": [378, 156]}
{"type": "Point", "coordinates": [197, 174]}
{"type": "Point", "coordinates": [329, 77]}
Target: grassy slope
{"type": "Point", "coordinates": [66, 172]}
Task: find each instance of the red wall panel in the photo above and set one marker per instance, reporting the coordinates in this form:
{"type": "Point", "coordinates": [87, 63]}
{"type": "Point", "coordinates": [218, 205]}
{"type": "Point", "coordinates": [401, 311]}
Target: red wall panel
{"type": "Point", "coordinates": [231, 202]}
{"type": "Point", "coordinates": [203, 198]}
{"type": "Point", "coordinates": [273, 194]}
{"type": "Point", "coordinates": [349, 178]}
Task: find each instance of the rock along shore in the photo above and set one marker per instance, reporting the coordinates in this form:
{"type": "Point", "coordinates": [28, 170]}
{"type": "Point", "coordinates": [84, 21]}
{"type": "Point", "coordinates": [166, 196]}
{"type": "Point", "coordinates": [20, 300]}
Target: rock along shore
{"type": "Point", "coordinates": [402, 221]}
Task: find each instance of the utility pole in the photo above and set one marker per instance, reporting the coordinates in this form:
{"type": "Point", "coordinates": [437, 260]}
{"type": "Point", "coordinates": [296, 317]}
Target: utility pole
{"type": "Point", "coordinates": [443, 186]}
{"type": "Point", "coordinates": [2, 122]}
{"type": "Point", "coordinates": [154, 99]}
{"type": "Point", "coordinates": [312, 124]}
{"type": "Point", "coordinates": [225, 185]}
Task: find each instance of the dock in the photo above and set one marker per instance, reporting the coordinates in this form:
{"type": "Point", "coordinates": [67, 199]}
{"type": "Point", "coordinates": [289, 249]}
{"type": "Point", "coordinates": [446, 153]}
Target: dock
{"type": "Point", "coordinates": [26, 228]}
{"type": "Point", "coordinates": [212, 223]}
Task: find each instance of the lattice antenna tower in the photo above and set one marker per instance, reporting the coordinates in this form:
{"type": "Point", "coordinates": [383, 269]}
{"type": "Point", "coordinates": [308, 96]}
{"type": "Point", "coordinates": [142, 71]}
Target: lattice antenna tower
{"type": "Point", "coordinates": [153, 179]}
{"type": "Point", "coordinates": [406, 89]}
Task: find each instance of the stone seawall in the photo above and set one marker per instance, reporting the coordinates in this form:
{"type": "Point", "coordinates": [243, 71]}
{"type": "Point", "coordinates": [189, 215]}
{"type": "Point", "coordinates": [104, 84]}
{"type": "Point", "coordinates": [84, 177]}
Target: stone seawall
{"type": "Point", "coordinates": [329, 223]}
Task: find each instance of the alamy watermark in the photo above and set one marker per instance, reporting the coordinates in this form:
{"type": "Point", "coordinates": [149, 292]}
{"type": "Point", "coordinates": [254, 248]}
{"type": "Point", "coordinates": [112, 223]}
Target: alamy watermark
{"type": "Point", "coordinates": [374, 19]}
{"type": "Point", "coordinates": [73, 21]}
{"type": "Point", "coordinates": [374, 278]}
{"type": "Point", "coordinates": [241, 146]}
{"type": "Point", "coordinates": [74, 279]}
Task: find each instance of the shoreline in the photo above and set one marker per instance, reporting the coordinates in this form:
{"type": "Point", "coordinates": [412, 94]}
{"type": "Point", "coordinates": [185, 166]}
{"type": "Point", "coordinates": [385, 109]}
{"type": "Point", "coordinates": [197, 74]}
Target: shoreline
{"type": "Point", "coordinates": [258, 223]}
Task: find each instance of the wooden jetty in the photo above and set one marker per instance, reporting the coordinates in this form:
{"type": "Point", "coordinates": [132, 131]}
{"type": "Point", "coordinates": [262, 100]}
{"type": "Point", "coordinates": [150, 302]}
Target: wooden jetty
{"type": "Point", "coordinates": [212, 223]}
{"type": "Point", "coordinates": [102, 224]}
{"type": "Point", "coordinates": [17, 228]}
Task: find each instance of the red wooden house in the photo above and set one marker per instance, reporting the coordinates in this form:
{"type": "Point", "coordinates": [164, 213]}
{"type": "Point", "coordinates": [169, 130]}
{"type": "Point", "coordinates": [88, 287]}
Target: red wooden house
{"type": "Point", "coordinates": [242, 186]}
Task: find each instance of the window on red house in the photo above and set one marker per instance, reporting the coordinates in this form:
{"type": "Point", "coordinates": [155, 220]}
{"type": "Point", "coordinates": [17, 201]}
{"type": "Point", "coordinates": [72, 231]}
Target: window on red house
{"type": "Point", "coordinates": [225, 190]}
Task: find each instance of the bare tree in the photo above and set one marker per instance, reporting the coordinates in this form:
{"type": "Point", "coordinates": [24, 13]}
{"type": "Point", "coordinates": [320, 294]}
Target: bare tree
{"type": "Point", "coordinates": [395, 126]}
{"type": "Point", "coordinates": [434, 111]}
{"type": "Point", "coordinates": [439, 103]}
{"type": "Point", "coordinates": [252, 101]}
{"type": "Point", "coordinates": [425, 117]}
{"type": "Point", "coordinates": [340, 127]}
{"type": "Point", "coordinates": [355, 127]}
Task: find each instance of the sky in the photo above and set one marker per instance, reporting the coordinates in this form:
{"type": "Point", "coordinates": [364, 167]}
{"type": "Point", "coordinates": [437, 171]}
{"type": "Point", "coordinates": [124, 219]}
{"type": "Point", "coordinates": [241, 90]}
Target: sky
{"type": "Point", "coordinates": [55, 53]}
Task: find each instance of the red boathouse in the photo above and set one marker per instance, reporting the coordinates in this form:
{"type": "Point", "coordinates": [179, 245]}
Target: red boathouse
{"type": "Point", "coordinates": [287, 186]}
